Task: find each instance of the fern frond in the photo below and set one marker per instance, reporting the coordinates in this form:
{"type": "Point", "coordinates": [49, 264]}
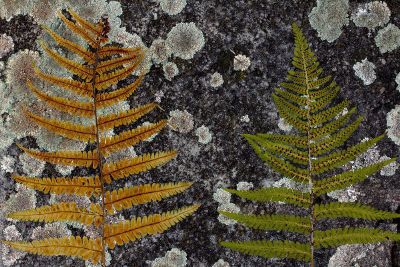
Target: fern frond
{"type": "Point", "coordinates": [296, 99]}
{"type": "Point", "coordinates": [115, 63]}
{"type": "Point", "coordinates": [291, 108]}
{"type": "Point", "coordinates": [272, 249]}
{"type": "Point", "coordinates": [330, 127]}
{"type": "Point", "coordinates": [129, 138]}
{"type": "Point", "coordinates": [345, 179]}
{"type": "Point", "coordinates": [338, 158]}
{"type": "Point", "coordinates": [84, 109]}
{"type": "Point", "coordinates": [75, 68]}
{"type": "Point", "coordinates": [106, 51]}
{"type": "Point", "coordinates": [335, 140]}
{"type": "Point", "coordinates": [295, 88]}
{"type": "Point", "coordinates": [88, 26]}
{"type": "Point", "coordinates": [351, 210]}
{"type": "Point", "coordinates": [328, 114]}
{"type": "Point", "coordinates": [275, 194]}
{"type": "Point", "coordinates": [104, 81]}
{"type": "Point", "coordinates": [131, 230]}
{"type": "Point", "coordinates": [84, 248]}
{"type": "Point", "coordinates": [91, 40]}
{"type": "Point", "coordinates": [320, 93]}
{"type": "Point", "coordinates": [70, 158]}
{"type": "Point", "coordinates": [292, 119]}
{"type": "Point", "coordinates": [126, 167]}
{"type": "Point", "coordinates": [125, 198]}
{"type": "Point", "coordinates": [272, 222]}
{"type": "Point", "coordinates": [82, 186]}
{"type": "Point", "coordinates": [285, 139]}
{"type": "Point", "coordinates": [324, 101]}
{"type": "Point", "coordinates": [67, 129]}
{"type": "Point", "coordinates": [110, 121]}
{"type": "Point", "coordinates": [109, 99]}
{"type": "Point", "coordinates": [88, 56]}
{"type": "Point", "coordinates": [341, 236]}
{"type": "Point", "coordinates": [64, 211]}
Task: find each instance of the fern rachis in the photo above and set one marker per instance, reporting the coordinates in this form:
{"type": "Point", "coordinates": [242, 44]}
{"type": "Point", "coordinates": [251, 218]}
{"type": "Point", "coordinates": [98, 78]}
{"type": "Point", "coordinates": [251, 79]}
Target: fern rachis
{"type": "Point", "coordinates": [305, 102]}
{"type": "Point", "coordinates": [105, 65]}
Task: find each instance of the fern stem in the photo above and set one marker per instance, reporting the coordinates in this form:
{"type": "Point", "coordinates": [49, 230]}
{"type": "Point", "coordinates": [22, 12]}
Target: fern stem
{"type": "Point", "coordinates": [99, 155]}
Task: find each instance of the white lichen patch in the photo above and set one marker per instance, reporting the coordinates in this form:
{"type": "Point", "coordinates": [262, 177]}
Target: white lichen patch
{"type": "Point", "coordinates": [388, 38]}
{"type": "Point", "coordinates": [158, 96]}
{"type": "Point", "coordinates": [24, 199]}
{"type": "Point", "coordinates": [204, 134]}
{"type": "Point", "coordinates": [349, 194]}
{"type": "Point", "coordinates": [30, 165]}
{"type": "Point", "coordinates": [329, 17]}
{"type": "Point", "coordinates": [216, 80]}
{"type": "Point", "coordinates": [51, 230]}
{"type": "Point", "coordinates": [64, 170]}
{"type": "Point", "coordinates": [371, 15]}
{"type": "Point", "coordinates": [172, 7]}
{"type": "Point", "coordinates": [390, 169]}
{"type": "Point", "coordinates": [185, 39]}
{"type": "Point", "coordinates": [170, 70]}
{"type": "Point", "coordinates": [393, 124]}
{"type": "Point", "coordinates": [222, 196]}
{"type": "Point", "coordinates": [244, 186]}
{"type": "Point", "coordinates": [6, 45]}
{"type": "Point", "coordinates": [181, 121]}
{"type": "Point", "coordinates": [228, 207]}
{"type": "Point", "coordinates": [8, 255]}
{"type": "Point", "coordinates": [173, 258]}
{"type": "Point", "coordinates": [245, 118]}
{"type": "Point", "coordinates": [221, 263]}
{"type": "Point", "coordinates": [241, 62]}
{"type": "Point", "coordinates": [365, 70]}
{"type": "Point", "coordinates": [289, 183]}
{"type": "Point", "coordinates": [7, 164]}
{"type": "Point", "coordinates": [160, 51]}
{"type": "Point", "coordinates": [398, 81]}
{"type": "Point", "coordinates": [284, 126]}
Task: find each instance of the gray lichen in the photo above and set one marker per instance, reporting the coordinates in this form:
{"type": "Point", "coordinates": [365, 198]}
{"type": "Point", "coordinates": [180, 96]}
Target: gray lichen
{"type": "Point", "coordinates": [6, 45]}
{"type": "Point", "coordinates": [173, 258]}
{"type": "Point", "coordinates": [204, 134]}
{"type": "Point", "coordinates": [241, 62]}
{"type": "Point", "coordinates": [181, 121]}
{"type": "Point", "coordinates": [371, 15]}
{"type": "Point", "coordinates": [388, 38]}
{"type": "Point", "coordinates": [365, 70]}
{"type": "Point", "coordinates": [393, 124]}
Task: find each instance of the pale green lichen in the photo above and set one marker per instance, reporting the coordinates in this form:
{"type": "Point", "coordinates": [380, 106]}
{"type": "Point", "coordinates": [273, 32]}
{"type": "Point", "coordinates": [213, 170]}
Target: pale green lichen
{"type": "Point", "coordinates": [329, 17]}
{"type": "Point", "coordinates": [185, 39]}
{"type": "Point", "coordinates": [160, 51]}
{"type": "Point", "coordinates": [173, 258]}
{"type": "Point", "coordinates": [51, 230]}
{"type": "Point", "coordinates": [30, 165]}
{"type": "Point", "coordinates": [172, 7]}
{"type": "Point", "coordinates": [204, 135]}
{"type": "Point", "coordinates": [221, 263]}
{"type": "Point", "coordinates": [241, 62]}
{"type": "Point", "coordinates": [6, 45]}
{"type": "Point", "coordinates": [365, 70]}
{"type": "Point", "coordinates": [371, 15]}
{"type": "Point", "coordinates": [170, 70]}
{"type": "Point", "coordinates": [393, 124]}
{"type": "Point", "coordinates": [216, 80]}
{"type": "Point", "coordinates": [181, 121]}
{"type": "Point", "coordinates": [388, 38]}
{"type": "Point", "coordinates": [398, 81]}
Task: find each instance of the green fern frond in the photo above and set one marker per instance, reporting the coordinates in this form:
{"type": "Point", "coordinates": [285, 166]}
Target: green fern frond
{"type": "Point", "coordinates": [345, 179]}
{"type": "Point", "coordinates": [284, 139]}
{"type": "Point", "coordinates": [272, 249]}
{"type": "Point", "coordinates": [275, 194]}
{"type": "Point", "coordinates": [351, 210]}
{"type": "Point", "coordinates": [328, 114]}
{"type": "Point", "coordinates": [289, 223]}
{"type": "Point", "coordinates": [341, 236]}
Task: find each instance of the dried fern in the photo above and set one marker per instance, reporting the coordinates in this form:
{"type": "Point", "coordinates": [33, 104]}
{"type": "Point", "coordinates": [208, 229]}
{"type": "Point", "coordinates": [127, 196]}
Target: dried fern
{"type": "Point", "coordinates": [105, 66]}
{"type": "Point", "coordinates": [305, 101]}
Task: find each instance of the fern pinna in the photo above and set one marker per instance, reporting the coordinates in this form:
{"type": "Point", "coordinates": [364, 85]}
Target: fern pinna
{"type": "Point", "coordinates": [105, 65]}
{"type": "Point", "coordinates": [322, 128]}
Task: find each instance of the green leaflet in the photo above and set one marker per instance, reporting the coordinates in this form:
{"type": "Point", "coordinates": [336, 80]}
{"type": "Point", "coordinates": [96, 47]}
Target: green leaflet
{"type": "Point", "coordinates": [294, 110]}
{"type": "Point", "coordinates": [272, 249]}
{"type": "Point", "coordinates": [341, 236]}
{"type": "Point", "coordinates": [351, 210]}
{"type": "Point", "coordinates": [285, 139]}
{"type": "Point", "coordinates": [345, 179]}
{"type": "Point", "coordinates": [272, 222]}
{"type": "Point", "coordinates": [317, 94]}
{"type": "Point", "coordinates": [341, 157]}
{"type": "Point", "coordinates": [275, 194]}
{"type": "Point", "coordinates": [328, 114]}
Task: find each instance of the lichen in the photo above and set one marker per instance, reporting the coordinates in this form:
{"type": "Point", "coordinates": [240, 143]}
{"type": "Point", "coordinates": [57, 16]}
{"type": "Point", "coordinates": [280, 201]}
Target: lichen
{"type": "Point", "coordinates": [371, 15]}
{"type": "Point", "coordinates": [229, 207]}
{"type": "Point", "coordinates": [185, 39]}
{"type": "Point", "coordinates": [24, 199]}
{"type": "Point", "coordinates": [160, 51]}
{"type": "Point", "coordinates": [8, 255]}
{"type": "Point", "coordinates": [365, 70]}
{"type": "Point", "coordinates": [7, 164]}
{"type": "Point", "coordinates": [244, 186]}
{"type": "Point", "coordinates": [390, 169]}
{"type": "Point", "coordinates": [216, 80]}
{"type": "Point", "coordinates": [173, 258]}
{"type": "Point", "coordinates": [51, 230]}
{"type": "Point", "coordinates": [398, 81]}
{"type": "Point", "coordinates": [388, 38]}
{"type": "Point", "coordinates": [284, 126]}
{"type": "Point", "coordinates": [349, 194]}
{"type": "Point", "coordinates": [172, 7]}
{"type": "Point", "coordinates": [170, 70]}
{"type": "Point", "coordinates": [222, 196]}
{"type": "Point", "coordinates": [204, 134]}
{"type": "Point", "coordinates": [393, 124]}
{"type": "Point", "coordinates": [158, 96]}
{"type": "Point", "coordinates": [245, 118]}
{"type": "Point", "coordinates": [329, 17]}
{"type": "Point", "coordinates": [221, 263]}
{"type": "Point", "coordinates": [241, 62]}
{"type": "Point", "coordinates": [181, 121]}
{"type": "Point", "coordinates": [30, 165]}
{"type": "Point", "coordinates": [6, 45]}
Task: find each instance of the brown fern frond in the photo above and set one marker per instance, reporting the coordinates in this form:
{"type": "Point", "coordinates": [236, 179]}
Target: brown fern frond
{"type": "Point", "coordinates": [104, 81]}
{"type": "Point", "coordinates": [83, 89]}
{"type": "Point", "coordinates": [64, 128]}
{"type": "Point", "coordinates": [126, 167]}
{"type": "Point", "coordinates": [115, 63]}
{"type": "Point", "coordinates": [72, 66]}
{"type": "Point", "coordinates": [112, 50]}
{"type": "Point", "coordinates": [129, 138]}
{"type": "Point", "coordinates": [131, 230]}
{"type": "Point", "coordinates": [70, 158]}
{"type": "Point", "coordinates": [109, 99]}
{"type": "Point", "coordinates": [87, 55]}
{"type": "Point", "coordinates": [110, 121]}
{"type": "Point", "coordinates": [91, 40]}
{"type": "Point", "coordinates": [85, 248]}
{"type": "Point", "coordinates": [81, 186]}
{"type": "Point", "coordinates": [88, 26]}
{"type": "Point", "coordinates": [125, 198]}
{"type": "Point", "coordinates": [84, 109]}
{"type": "Point", "coordinates": [64, 211]}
